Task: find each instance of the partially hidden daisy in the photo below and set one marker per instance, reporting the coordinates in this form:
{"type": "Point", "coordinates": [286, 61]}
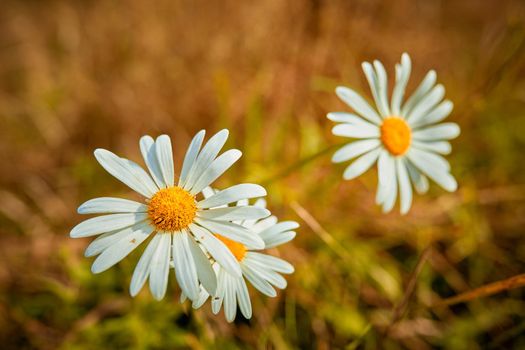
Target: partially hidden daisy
{"type": "Point", "coordinates": [402, 138]}
{"type": "Point", "coordinates": [263, 271]}
{"type": "Point", "coordinates": [178, 219]}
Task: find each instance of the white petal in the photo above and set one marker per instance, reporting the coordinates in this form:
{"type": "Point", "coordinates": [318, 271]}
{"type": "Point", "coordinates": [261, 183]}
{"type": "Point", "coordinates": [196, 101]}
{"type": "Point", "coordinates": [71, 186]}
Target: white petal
{"type": "Point", "coordinates": [204, 270]}
{"type": "Point", "coordinates": [444, 131]}
{"type": "Point", "coordinates": [278, 229]}
{"type": "Point", "coordinates": [207, 192]}
{"type": "Point", "coordinates": [235, 213]}
{"type": "Point", "coordinates": [232, 194]}
{"type": "Point", "coordinates": [216, 169]}
{"type": "Point", "coordinates": [426, 104]}
{"type": "Point", "coordinates": [356, 131]}
{"type": "Point", "coordinates": [423, 88]}
{"type": "Point", "coordinates": [142, 175]}
{"type": "Point", "coordinates": [233, 231]}
{"type": "Point", "coordinates": [405, 189]}
{"type": "Point", "coordinates": [127, 172]}
{"type": "Point", "coordinates": [382, 85]}
{"type": "Point", "coordinates": [419, 180]}
{"type": "Point", "coordinates": [281, 238]}
{"type": "Point", "coordinates": [355, 101]}
{"type": "Point", "coordinates": [106, 240]}
{"type": "Point", "coordinates": [230, 302]}
{"type": "Point", "coordinates": [206, 157]}
{"type": "Point", "coordinates": [437, 160]}
{"type": "Point", "coordinates": [391, 192]}
{"type": "Point", "coordinates": [165, 158]}
{"type": "Point", "coordinates": [182, 298]}
{"type": "Point", "coordinates": [385, 167]}
{"type": "Point", "coordinates": [203, 296]}
{"type": "Point", "coordinates": [269, 275]}
{"type": "Point", "coordinates": [257, 281]}
{"type": "Point", "coordinates": [271, 262]}
{"type": "Point", "coordinates": [243, 298]}
{"type": "Point", "coordinates": [142, 270]}
{"type": "Point", "coordinates": [343, 117]}
{"type": "Point", "coordinates": [402, 76]}
{"type": "Point", "coordinates": [441, 147]}
{"type": "Point", "coordinates": [374, 87]}
{"type": "Point", "coordinates": [217, 249]}
{"type": "Point", "coordinates": [382, 191]}
{"type": "Point", "coordinates": [436, 115]}
{"type": "Point", "coordinates": [160, 267]}
{"type": "Point", "coordinates": [361, 164]}
{"type": "Point", "coordinates": [149, 153]}
{"type": "Point", "coordinates": [354, 149]}
{"type": "Point", "coordinates": [216, 302]}
{"type": "Point", "coordinates": [111, 205]}
{"type": "Point", "coordinates": [106, 223]}
{"type": "Point", "coordinates": [191, 156]}
{"type": "Point", "coordinates": [122, 248]}
{"type": "Point", "coordinates": [185, 269]}
{"type": "Point", "coordinates": [436, 173]}
{"type": "Point", "coordinates": [264, 224]}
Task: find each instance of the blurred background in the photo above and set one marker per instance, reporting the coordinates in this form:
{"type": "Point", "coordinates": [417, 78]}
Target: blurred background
{"type": "Point", "coordinates": [77, 75]}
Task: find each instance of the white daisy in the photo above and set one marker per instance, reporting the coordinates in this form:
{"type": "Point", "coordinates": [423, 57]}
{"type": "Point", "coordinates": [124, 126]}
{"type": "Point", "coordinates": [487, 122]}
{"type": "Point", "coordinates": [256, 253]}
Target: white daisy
{"type": "Point", "coordinates": [402, 138]}
{"type": "Point", "coordinates": [172, 215]}
{"type": "Point", "coordinates": [261, 270]}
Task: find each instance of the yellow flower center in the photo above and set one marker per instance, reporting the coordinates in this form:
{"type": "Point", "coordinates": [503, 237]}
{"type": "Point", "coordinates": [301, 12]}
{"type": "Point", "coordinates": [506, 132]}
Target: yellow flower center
{"type": "Point", "coordinates": [238, 249]}
{"type": "Point", "coordinates": [396, 135]}
{"type": "Point", "coordinates": [172, 209]}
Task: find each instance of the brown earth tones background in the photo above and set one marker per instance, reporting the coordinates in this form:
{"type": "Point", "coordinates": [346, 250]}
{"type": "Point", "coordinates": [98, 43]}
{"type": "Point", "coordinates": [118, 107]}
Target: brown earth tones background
{"type": "Point", "coordinates": [79, 75]}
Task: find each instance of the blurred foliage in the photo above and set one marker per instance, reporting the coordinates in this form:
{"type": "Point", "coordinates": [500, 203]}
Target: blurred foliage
{"type": "Point", "coordinates": [77, 75]}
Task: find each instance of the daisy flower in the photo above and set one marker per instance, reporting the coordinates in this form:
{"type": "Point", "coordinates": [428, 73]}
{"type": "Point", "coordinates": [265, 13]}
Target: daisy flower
{"type": "Point", "coordinates": [172, 215]}
{"type": "Point", "coordinates": [261, 270]}
{"type": "Point", "coordinates": [402, 138]}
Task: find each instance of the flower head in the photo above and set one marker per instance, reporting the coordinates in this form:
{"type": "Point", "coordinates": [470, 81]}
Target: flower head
{"type": "Point", "coordinates": [179, 223]}
{"type": "Point", "coordinates": [263, 271]}
{"type": "Point", "coordinates": [401, 137]}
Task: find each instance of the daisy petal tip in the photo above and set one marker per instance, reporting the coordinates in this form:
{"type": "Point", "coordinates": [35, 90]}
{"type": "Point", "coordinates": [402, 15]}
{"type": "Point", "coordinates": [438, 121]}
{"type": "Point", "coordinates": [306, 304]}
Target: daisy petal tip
{"type": "Point", "coordinates": [163, 138]}
{"type": "Point", "coordinates": [404, 210]}
{"type": "Point", "coordinates": [133, 292]}
{"type": "Point", "coordinates": [95, 268]}
{"type": "Point", "coordinates": [99, 152]}
{"type": "Point", "coordinates": [453, 186]}
{"type": "Point", "coordinates": [349, 176]}
{"type": "Point", "coordinates": [145, 138]}
{"type": "Point", "coordinates": [341, 91]}
{"type": "Point", "coordinates": [74, 233]}
{"type": "Point", "coordinates": [224, 131]}
{"type": "Point", "coordinates": [366, 66]}
{"type": "Point", "coordinates": [158, 296]}
{"type": "Point", "coordinates": [236, 153]}
{"type": "Point", "coordinates": [261, 191]}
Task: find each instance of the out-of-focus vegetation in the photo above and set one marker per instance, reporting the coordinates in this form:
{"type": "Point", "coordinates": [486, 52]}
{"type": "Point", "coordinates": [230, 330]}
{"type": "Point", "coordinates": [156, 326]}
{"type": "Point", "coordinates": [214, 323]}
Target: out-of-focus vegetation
{"type": "Point", "coordinates": [79, 75]}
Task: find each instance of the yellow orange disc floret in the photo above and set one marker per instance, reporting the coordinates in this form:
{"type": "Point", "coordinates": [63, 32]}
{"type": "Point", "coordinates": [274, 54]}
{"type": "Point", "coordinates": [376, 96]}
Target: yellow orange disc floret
{"type": "Point", "coordinates": [238, 249]}
{"type": "Point", "coordinates": [396, 135]}
{"type": "Point", "coordinates": [172, 209]}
